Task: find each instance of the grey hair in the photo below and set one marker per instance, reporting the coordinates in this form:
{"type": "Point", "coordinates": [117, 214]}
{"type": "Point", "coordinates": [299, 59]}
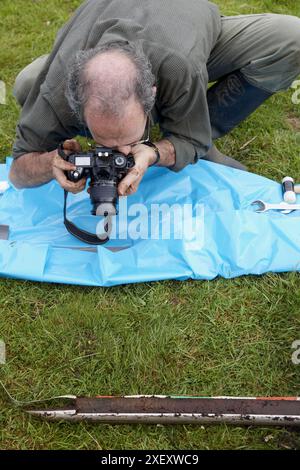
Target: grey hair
{"type": "Point", "coordinates": [111, 99]}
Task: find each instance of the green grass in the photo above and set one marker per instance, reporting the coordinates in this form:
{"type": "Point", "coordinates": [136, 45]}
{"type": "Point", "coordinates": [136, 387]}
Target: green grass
{"type": "Point", "coordinates": [224, 337]}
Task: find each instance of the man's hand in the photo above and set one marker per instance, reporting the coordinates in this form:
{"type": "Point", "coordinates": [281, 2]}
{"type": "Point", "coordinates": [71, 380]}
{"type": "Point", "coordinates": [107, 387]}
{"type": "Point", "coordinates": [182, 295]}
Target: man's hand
{"type": "Point", "coordinates": [34, 169]}
{"type": "Point", "coordinates": [144, 157]}
{"type": "Point", "coordinates": [60, 166]}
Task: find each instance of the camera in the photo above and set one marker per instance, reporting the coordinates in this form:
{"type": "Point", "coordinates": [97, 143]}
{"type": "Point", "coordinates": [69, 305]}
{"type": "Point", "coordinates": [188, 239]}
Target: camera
{"type": "Point", "coordinates": [106, 168]}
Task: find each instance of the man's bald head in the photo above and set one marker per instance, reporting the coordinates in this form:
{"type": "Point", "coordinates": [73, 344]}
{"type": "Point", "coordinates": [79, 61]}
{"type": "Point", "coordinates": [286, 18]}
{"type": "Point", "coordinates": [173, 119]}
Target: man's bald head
{"type": "Point", "coordinates": [110, 80]}
{"type": "Point", "coordinates": [105, 79]}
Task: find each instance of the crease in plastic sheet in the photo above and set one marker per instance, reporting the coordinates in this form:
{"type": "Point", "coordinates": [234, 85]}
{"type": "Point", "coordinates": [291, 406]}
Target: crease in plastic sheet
{"type": "Point", "coordinates": [235, 240]}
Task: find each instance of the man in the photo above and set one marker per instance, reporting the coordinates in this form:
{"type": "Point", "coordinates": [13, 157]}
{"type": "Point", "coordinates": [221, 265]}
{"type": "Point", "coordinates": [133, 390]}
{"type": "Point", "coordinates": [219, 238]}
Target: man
{"type": "Point", "coordinates": [118, 66]}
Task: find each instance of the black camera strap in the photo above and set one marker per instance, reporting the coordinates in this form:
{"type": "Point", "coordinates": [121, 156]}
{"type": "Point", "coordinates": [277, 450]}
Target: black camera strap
{"type": "Point", "coordinates": [83, 235]}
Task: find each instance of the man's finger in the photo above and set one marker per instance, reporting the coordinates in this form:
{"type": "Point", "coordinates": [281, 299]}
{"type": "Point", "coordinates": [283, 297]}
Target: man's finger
{"type": "Point", "coordinates": [131, 179]}
{"type": "Point", "coordinates": [62, 164]}
{"type": "Point", "coordinates": [72, 187]}
{"type": "Point", "coordinates": [131, 190]}
{"type": "Point", "coordinates": [72, 145]}
{"type": "Point", "coordinates": [77, 189]}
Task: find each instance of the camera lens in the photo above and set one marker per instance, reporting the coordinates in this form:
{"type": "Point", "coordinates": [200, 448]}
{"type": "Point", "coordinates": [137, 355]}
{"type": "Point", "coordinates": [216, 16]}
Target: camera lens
{"type": "Point", "coordinates": [104, 197]}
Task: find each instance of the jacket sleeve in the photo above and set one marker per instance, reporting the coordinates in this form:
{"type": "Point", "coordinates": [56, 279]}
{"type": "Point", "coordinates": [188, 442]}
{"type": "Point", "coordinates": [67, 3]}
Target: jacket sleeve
{"type": "Point", "coordinates": [183, 109]}
{"type": "Point", "coordinates": [40, 128]}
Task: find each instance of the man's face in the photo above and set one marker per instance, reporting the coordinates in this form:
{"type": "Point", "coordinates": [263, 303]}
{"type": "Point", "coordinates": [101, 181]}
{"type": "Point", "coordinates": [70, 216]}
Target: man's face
{"type": "Point", "coordinates": [118, 133]}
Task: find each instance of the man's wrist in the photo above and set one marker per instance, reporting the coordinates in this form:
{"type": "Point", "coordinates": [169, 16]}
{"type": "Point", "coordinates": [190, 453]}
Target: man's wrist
{"type": "Point", "coordinates": [156, 152]}
{"type": "Point", "coordinates": [167, 153]}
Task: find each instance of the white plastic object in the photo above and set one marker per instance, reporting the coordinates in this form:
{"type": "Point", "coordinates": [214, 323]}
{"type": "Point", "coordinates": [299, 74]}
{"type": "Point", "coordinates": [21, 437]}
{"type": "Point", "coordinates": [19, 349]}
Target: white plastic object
{"type": "Point", "coordinates": [289, 194]}
{"type": "Point", "coordinates": [4, 185]}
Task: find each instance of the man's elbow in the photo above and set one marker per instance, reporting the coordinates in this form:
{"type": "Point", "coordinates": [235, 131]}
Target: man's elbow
{"type": "Point", "coordinates": [31, 170]}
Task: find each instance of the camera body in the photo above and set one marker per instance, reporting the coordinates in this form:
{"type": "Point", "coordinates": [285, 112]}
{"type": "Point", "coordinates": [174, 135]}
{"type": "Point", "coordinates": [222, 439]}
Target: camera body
{"type": "Point", "coordinates": [106, 168]}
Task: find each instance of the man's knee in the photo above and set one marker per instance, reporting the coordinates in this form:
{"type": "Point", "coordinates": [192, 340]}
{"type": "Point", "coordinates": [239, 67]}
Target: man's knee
{"type": "Point", "coordinates": [279, 62]}
{"type": "Point", "coordinates": [286, 33]}
{"type": "Point", "coordinates": [287, 39]}
{"type": "Point", "coordinates": [22, 87]}
{"type": "Point", "coordinates": [27, 77]}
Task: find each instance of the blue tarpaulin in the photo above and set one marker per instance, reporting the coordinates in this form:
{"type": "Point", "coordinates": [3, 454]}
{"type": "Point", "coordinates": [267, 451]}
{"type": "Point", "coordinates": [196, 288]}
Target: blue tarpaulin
{"type": "Point", "coordinates": [227, 237]}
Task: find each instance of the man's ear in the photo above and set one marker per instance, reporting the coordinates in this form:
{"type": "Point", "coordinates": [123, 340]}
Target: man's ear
{"type": "Point", "coordinates": [154, 90]}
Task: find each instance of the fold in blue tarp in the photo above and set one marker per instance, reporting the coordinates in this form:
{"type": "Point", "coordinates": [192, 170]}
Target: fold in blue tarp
{"type": "Point", "coordinates": [230, 239]}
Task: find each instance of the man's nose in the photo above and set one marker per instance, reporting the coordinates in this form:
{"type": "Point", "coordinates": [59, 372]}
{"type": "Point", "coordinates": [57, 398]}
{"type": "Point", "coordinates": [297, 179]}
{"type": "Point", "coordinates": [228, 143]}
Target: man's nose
{"type": "Point", "coordinates": [126, 149]}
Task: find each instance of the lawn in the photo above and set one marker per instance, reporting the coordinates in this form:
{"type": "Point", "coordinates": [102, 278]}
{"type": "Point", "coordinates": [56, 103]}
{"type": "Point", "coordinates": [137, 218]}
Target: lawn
{"type": "Point", "coordinates": [223, 337]}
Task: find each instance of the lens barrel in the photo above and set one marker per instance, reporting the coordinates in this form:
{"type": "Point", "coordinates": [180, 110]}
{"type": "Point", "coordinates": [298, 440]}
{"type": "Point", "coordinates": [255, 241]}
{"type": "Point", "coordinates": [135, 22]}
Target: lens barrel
{"type": "Point", "coordinates": [103, 192]}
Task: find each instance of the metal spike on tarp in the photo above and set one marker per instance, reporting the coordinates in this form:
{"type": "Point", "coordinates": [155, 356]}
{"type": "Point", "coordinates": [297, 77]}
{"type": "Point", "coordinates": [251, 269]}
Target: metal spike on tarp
{"type": "Point", "coordinates": [94, 249]}
{"type": "Point", "coordinates": [160, 409]}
